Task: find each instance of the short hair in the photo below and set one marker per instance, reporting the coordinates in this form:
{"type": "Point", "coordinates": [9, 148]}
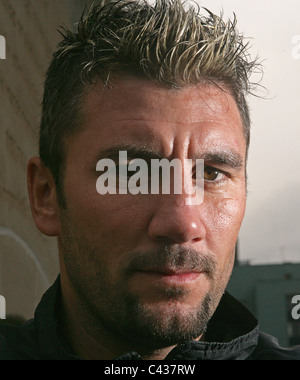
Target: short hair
{"type": "Point", "coordinates": [165, 42]}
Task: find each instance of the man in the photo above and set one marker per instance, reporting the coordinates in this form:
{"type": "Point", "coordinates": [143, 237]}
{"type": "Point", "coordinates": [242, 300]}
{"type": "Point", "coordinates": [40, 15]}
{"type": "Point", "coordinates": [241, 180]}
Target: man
{"type": "Point", "coordinates": [143, 275]}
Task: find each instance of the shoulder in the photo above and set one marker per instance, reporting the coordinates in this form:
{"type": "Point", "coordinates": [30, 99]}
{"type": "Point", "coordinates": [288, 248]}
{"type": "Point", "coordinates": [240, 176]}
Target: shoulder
{"type": "Point", "coordinates": [18, 342]}
{"type": "Point", "coordinates": [268, 348]}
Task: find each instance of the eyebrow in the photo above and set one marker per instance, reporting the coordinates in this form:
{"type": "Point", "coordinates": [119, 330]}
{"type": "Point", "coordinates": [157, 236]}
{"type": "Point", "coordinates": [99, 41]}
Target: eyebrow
{"type": "Point", "coordinates": [142, 151]}
{"type": "Point", "coordinates": [226, 158]}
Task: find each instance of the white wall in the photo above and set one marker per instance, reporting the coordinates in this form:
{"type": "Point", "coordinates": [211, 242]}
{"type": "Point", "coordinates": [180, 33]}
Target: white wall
{"type": "Point", "coordinates": [28, 259]}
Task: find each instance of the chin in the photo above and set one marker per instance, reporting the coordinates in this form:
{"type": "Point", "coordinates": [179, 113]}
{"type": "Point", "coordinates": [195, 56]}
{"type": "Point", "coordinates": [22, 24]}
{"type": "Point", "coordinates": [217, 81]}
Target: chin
{"type": "Point", "coordinates": [173, 322]}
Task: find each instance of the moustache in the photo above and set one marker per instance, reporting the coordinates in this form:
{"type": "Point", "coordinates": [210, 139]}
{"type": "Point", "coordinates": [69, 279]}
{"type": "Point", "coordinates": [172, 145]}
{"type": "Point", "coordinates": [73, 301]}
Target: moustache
{"type": "Point", "coordinates": [172, 259]}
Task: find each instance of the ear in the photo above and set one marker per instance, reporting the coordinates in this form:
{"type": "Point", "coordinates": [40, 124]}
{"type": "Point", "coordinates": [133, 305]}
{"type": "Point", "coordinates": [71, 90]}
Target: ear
{"type": "Point", "coordinates": [42, 196]}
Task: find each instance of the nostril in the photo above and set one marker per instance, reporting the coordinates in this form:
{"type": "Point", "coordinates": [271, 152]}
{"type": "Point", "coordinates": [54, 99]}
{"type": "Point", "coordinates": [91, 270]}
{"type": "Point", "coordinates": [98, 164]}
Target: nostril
{"type": "Point", "coordinates": [174, 233]}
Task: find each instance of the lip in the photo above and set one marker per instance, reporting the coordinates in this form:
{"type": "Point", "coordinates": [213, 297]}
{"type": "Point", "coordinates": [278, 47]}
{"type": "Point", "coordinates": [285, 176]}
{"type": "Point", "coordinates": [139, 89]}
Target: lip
{"type": "Point", "coordinates": [172, 277]}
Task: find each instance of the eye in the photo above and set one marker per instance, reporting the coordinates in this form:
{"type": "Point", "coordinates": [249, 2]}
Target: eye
{"type": "Point", "coordinates": [213, 175]}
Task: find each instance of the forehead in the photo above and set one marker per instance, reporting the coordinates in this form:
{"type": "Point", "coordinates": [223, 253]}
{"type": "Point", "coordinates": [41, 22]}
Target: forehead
{"type": "Point", "coordinates": [132, 97]}
{"type": "Point", "coordinates": [135, 109]}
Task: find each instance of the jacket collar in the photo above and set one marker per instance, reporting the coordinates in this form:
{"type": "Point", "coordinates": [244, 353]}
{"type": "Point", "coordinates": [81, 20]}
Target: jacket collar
{"type": "Point", "coordinates": [232, 333]}
{"type": "Point", "coordinates": [47, 326]}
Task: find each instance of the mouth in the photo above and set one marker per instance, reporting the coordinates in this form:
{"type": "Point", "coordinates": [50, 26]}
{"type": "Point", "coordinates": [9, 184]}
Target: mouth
{"type": "Point", "coordinates": [175, 268]}
{"type": "Point", "coordinates": [171, 277]}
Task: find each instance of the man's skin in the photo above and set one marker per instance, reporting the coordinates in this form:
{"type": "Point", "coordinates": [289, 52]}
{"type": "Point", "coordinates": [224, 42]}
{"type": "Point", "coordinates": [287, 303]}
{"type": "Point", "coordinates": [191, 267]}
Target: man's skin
{"type": "Point", "coordinates": [136, 270]}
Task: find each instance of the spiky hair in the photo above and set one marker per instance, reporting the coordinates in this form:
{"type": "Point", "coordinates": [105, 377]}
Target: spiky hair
{"type": "Point", "coordinates": [167, 42]}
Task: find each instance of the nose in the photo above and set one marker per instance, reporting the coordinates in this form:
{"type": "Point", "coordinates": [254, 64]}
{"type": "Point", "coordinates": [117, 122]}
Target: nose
{"type": "Point", "coordinates": [176, 222]}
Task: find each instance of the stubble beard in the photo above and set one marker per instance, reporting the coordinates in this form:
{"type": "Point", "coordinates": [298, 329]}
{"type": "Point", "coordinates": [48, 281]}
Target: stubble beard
{"type": "Point", "coordinates": [123, 313]}
{"type": "Point", "coordinates": [173, 321]}
{"type": "Point", "coordinates": [168, 327]}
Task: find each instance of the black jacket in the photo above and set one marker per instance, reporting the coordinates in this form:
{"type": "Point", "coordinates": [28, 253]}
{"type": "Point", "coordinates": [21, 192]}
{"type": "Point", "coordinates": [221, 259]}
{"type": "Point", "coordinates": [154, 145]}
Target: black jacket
{"type": "Point", "coordinates": [232, 334]}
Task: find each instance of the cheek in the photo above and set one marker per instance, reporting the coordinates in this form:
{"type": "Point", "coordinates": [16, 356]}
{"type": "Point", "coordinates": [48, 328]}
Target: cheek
{"type": "Point", "coordinates": [110, 221]}
{"type": "Point", "coordinates": [223, 221]}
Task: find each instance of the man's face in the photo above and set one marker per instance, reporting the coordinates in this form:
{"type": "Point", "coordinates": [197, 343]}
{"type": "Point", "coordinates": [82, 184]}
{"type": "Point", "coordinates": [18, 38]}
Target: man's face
{"type": "Point", "coordinates": [151, 266]}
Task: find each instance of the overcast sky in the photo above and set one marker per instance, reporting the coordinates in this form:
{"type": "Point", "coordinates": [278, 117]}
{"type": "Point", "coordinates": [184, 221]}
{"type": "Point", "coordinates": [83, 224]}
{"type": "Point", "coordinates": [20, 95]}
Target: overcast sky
{"type": "Point", "coordinates": [271, 229]}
